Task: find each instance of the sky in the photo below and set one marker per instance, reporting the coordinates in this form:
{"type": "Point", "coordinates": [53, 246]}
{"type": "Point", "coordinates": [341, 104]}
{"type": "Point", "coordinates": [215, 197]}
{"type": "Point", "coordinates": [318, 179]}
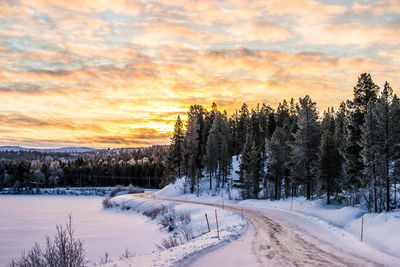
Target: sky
{"type": "Point", "coordinates": [117, 73]}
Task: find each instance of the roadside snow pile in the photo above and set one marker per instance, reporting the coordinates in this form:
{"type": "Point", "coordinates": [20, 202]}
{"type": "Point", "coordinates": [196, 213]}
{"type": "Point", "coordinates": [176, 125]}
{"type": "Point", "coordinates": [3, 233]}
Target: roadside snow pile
{"type": "Point", "coordinates": [230, 227]}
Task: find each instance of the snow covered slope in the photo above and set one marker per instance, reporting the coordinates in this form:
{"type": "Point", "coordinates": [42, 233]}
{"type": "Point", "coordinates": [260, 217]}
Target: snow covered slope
{"type": "Point", "coordinates": [230, 227]}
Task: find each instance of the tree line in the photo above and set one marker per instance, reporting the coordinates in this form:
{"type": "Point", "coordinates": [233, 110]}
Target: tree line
{"type": "Point", "coordinates": [27, 170]}
{"type": "Point", "coordinates": [350, 155]}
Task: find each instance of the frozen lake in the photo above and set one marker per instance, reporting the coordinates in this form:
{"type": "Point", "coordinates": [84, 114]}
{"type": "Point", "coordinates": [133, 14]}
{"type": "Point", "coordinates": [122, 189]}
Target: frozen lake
{"type": "Point", "coordinates": [26, 219]}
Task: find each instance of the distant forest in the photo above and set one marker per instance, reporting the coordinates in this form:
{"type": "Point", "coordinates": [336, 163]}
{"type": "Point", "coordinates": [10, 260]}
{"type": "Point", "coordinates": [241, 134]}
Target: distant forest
{"type": "Point", "coordinates": [350, 155]}
{"type": "Point", "coordinates": [30, 169]}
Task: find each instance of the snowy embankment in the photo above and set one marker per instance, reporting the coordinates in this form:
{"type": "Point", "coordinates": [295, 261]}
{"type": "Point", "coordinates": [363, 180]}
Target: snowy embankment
{"type": "Point", "coordinates": [230, 227]}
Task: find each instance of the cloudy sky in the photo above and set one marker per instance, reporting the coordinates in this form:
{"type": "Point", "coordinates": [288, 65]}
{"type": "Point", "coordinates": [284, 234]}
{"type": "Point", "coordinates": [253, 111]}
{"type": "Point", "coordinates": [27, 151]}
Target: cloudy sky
{"type": "Point", "coordinates": [115, 73]}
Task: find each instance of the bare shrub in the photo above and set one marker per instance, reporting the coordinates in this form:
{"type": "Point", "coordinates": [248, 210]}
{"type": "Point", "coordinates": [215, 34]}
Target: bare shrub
{"type": "Point", "coordinates": [134, 189]}
{"type": "Point", "coordinates": [185, 217]}
{"type": "Point", "coordinates": [186, 231]}
{"type": "Point", "coordinates": [126, 254]}
{"type": "Point", "coordinates": [107, 203]}
{"type": "Point", "coordinates": [63, 250]}
{"type": "Point", "coordinates": [105, 259]}
{"type": "Point", "coordinates": [115, 190]}
{"type": "Point", "coordinates": [169, 243]}
{"type": "Point", "coordinates": [154, 212]}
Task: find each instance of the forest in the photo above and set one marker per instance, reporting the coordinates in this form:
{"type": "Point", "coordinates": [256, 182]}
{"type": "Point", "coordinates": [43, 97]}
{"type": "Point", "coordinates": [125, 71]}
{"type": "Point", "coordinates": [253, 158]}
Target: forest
{"type": "Point", "coordinates": [26, 170]}
{"type": "Point", "coordinates": [350, 155]}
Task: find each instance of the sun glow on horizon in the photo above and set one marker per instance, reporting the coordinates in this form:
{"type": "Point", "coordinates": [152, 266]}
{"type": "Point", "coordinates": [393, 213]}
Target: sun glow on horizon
{"type": "Point", "coordinates": [117, 74]}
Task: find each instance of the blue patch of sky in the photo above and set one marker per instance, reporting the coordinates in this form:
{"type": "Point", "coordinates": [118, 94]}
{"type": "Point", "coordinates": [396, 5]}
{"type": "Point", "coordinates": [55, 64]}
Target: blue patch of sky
{"type": "Point", "coordinates": [26, 64]}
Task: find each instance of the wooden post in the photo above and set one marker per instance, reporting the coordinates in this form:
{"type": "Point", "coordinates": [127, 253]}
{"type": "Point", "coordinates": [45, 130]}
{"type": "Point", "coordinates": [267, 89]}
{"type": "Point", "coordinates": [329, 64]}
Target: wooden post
{"type": "Point", "coordinates": [208, 225]}
{"type": "Point", "coordinates": [362, 227]}
{"type": "Point", "coordinates": [242, 214]}
{"type": "Point", "coordinates": [216, 219]}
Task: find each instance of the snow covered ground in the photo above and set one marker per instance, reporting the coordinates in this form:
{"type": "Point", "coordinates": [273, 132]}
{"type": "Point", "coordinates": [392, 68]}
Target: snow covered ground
{"type": "Point", "coordinates": [230, 227]}
{"type": "Point", "coordinates": [313, 221]}
{"type": "Point", "coordinates": [381, 231]}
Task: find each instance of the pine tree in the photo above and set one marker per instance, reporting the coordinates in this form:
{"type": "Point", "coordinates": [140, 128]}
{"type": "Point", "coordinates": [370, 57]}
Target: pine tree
{"type": "Point", "coordinates": [251, 169]}
{"type": "Point", "coordinates": [395, 141]}
{"type": "Point", "coordinates": [242, 126]}
{"type": "Point", "coordinates": [193, 144]}
{"type": "Point", "coordinates": [225, 162]}
{"type": "Point", "coordinates": [382, 114]}
{"type": "Point", "coordinates": [278, 154]}
{"type": "Point", "coordinates": [328, 167]}
{"type": "Point", "coordinates": [305, 147]}
{"type": "Point", "coordinates": [213, 148]}
{"type": "Point", "coordinates": [176, 147]}
{"type": "Point", "coordinates": [364, 92]}
{"type": "Point", "coordinates": [368, 141]}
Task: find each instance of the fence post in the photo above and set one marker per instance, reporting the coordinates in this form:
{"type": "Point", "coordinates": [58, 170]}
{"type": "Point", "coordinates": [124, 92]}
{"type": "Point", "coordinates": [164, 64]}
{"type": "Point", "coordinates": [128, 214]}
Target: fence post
{"type": "Point", "coordinates": [216, 219]}
{"type": "Point", "coordinates": [208, 225]}
{"type": "Point", "coordinates": [362, 226]}
{"type": "Point", "coordinates": [242, 214]}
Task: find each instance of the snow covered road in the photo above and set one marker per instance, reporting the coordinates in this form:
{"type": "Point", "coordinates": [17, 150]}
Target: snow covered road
{"type": "Point", "coordinates": [278, 238]}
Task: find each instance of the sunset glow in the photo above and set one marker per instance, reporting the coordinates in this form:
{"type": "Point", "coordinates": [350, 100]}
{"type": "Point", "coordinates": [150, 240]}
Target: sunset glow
{"type": "Point", "coordinates": [117, 73]}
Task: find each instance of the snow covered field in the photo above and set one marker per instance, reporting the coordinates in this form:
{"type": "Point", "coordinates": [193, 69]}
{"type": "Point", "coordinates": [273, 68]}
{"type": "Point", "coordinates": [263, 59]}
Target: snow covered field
{"type": "Point", "coordinates": [25, 219]}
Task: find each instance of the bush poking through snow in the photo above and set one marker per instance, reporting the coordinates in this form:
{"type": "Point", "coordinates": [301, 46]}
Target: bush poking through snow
{"type": "Point", "coordinates": [169, 243]}
{"type": "Point", "coordinates": [105, 259]}
{"type": "Point", "coordinates": [186, 231]}
{"type": "Point", "coordinates": [134, 190]}
{"type": "Point", "coordinates": [107, 203]}
{"type": "Point", "coordinates": [184, 217]}
{"type": "Point", "coordinates": [63, 250]}
{"type": "Point", "coordinates": [154, 212]}
{"type": "Point", "coordinates": [126, 254]}
{"type": "Point", "coordinates": [116, 190]}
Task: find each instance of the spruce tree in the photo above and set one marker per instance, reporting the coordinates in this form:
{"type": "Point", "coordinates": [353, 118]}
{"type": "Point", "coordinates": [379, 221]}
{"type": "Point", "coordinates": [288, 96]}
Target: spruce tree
{"type": "Point", "coordinates": [213, 148]}
{"type": "Point", "coordinates": [305, 147]}
{"type": "Point", "coordinates": [278, 154]}
{"type": "Point", "coordinates": [175, 156]}
{"type": "Point", "coordinates": [193, 145]}
{"type": "Point", "coordinates": [384, 132]}
{"type": "Point", "coordinates": [242, 126]}
{"type": "Point", "coordinates": [328, 167]}
{"type": "Point", "coordinates": [395, 141]}
{"type": "Point", "coordinates": [251, 169]}
{"type": "Point", "coordinates": [364, 92]}
{"type": "Point", "coordinates": [368, 141]}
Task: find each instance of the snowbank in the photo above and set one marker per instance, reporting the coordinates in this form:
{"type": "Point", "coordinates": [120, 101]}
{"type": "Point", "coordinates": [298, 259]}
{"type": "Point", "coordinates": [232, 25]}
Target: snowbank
{"type": "Point", "coordinates": [230, 226]}
{"type": "Point", "coordinates": [381, 231]}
